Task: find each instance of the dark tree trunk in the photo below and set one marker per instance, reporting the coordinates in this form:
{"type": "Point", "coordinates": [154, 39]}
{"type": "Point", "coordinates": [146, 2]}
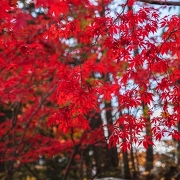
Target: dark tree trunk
{"type": "Point", "coordinates": [134, 172]}
{"type": "Point", "coordinates": [9, 175]}
{"type": "Point", "coordinates": [113, 150]}
{"type": "Point", "coordinates": [178, 126]}
{"type": "Point", "coordinates": [98, 151]}
{"type": "Point", "coordinates": [178, 147]}
{"type": "Point", "coordinates": [7, 172]}
{"type": "Point", "coordinates": [127, 174]}
{"type": "Point", "coordinates": [149, 150]}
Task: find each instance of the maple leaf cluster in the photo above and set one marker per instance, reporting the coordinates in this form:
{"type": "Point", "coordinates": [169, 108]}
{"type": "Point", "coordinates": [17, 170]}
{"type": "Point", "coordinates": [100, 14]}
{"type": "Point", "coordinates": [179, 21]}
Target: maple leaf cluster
{"type": "Point", "coordinates": [61, 60]}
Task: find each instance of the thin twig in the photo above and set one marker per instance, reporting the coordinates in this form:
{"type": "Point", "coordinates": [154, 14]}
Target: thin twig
{"type": "Point", "coordinates": [164, 3]}
{"type": "Point", "coordinates": [76, 147]}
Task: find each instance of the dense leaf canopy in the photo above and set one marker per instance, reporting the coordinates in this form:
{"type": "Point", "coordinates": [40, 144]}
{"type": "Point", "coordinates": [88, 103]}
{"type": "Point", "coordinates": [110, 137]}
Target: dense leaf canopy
{"type": "Point", "coordinates": [62, 60]}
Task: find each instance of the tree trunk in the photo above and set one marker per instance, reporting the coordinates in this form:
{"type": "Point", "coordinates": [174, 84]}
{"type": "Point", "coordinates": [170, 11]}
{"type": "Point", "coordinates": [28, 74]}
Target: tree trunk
{"type": "Point", "coordinates": [113, 150]}
{"type": "Point", "coordinates": [98, 151]}
{"type": "Point", "coordinates": [178, 146]}
{"type": "Point", "coordinates": [127, 174]}
{"type": "Point", "coordinates": [178, 126]}
{"type": "Point", "coordinates": [134, 172]}
{"type": "Point", "coordinates": [9, 175]}
{"type": "Point", "coordinates": [7, 172]}
{"type": "Point", "coordinates": [149, 150]}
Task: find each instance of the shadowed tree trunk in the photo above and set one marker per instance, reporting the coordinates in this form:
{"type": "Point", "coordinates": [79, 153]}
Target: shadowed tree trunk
{"type": "Point", "coordinates": [127, 174]}
{"type": "Point", "coordinates": [178, 126]}
{"type": "Point", "coordinates": [113, 150]}
{"type": "Point", "coordinates": [3, 171]}
{"type": "Point", "coordinates": [106, 160]}
{"type": "Point", "coordinates": [149, 150]}
{"type": "Point", "coordinates": [98, 151]}
{"type": "Point", "coordinates": [10, 171]}
{"type": "Point", "coordinates": [134, 172]}
{"type": "Point", "coordinates": [178, 146]}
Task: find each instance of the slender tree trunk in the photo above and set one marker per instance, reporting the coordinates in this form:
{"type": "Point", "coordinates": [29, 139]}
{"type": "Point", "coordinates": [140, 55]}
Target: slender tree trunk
{"type": "Point", "coordinates": [76, 147]}
{"type": "Point", "coordinates": [127, 174]}
{"type": "Point", "coordinates": [178, 126]}
{"type": "Point", "coordinates": [137, 161]}
{"type": "Point", "coordinates": [98, 151]}
{"type": "Point", "coordinates": [106, 161]}
{"type": "Point", "coordinates": [9, 175]}
{"type": "Point", "coordinates": [178, 146]}
{"type": "Point", "coordinates": [113, 150]}
{"type": "Point", "coordinates": [134, 172]}
{"type": "Point", "coordinates": [149, 150]}
{"type": "Point", "coordinates": [2, 169]}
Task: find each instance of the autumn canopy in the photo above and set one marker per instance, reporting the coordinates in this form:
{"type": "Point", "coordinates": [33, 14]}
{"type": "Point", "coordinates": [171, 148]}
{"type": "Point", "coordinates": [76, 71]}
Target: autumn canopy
{"type": "Point", "coordinates": [67, 65]}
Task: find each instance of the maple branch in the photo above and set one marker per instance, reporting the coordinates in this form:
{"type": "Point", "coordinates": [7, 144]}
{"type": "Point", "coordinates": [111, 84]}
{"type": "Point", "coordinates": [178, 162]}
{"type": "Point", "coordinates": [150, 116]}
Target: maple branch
{"type": "Point", "coordinates": [76, 147]}
{"type": "Point", "coordinates": [36, 110]}
{"type": "Point", "coordinates": [15, 113]}
{"type": "Point", "coordinates": [165, 3]}
{"type": "Point", "coordinates": [32, 172]}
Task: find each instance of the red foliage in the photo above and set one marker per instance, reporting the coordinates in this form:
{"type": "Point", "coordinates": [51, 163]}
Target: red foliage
{"type": "Point", "coordinates": [60, 63]}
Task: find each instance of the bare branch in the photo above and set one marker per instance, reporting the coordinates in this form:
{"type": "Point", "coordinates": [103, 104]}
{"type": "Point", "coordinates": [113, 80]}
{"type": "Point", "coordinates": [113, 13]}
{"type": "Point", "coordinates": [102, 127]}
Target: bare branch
{"type": "Point", "coordinates": [165, 3]}
{"type": "Point", "coordinates": [32, 172]}
{"type": "Point", "coordinates": [76, 147]}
